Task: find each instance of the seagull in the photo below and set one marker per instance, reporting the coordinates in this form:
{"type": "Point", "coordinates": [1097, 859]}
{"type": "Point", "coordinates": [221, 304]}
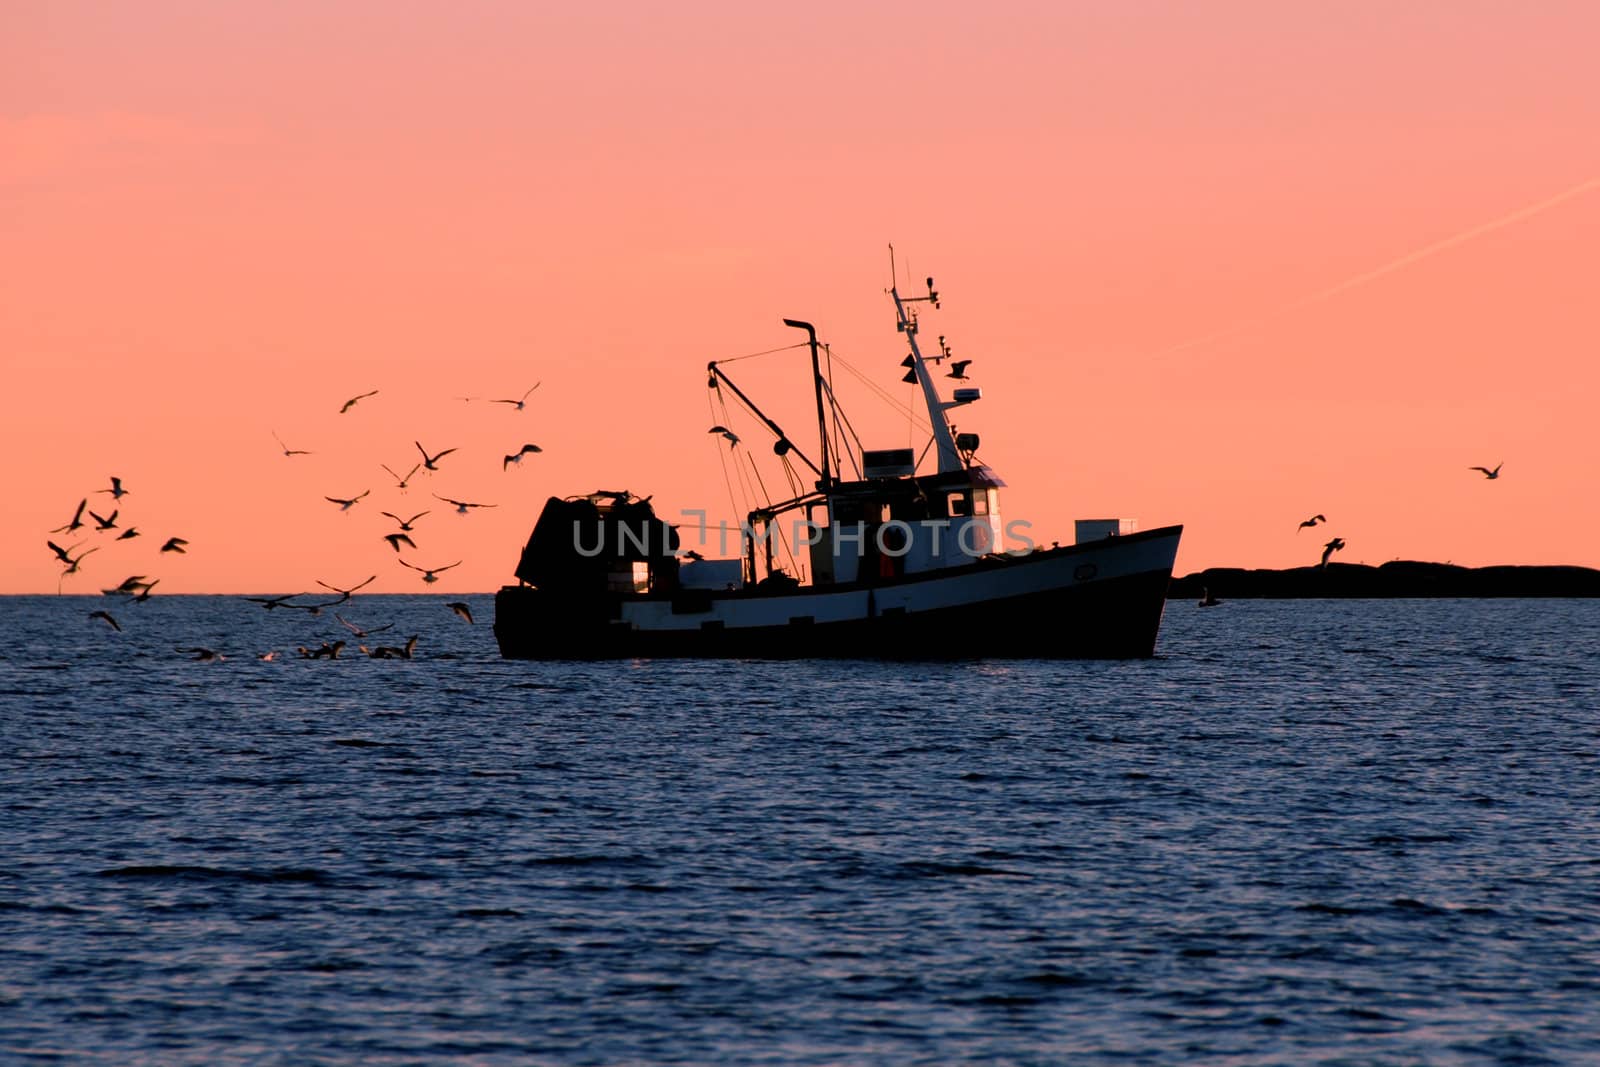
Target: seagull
{"type": "Point", "coordinates": [1487, 473]}
{"type": "Point", "coordinates": [270, 602]}
{"type": "Point", "coordinates": [958, 368]}
{"type": "Point", "coordinates": [77, 519]}
{"type": "Point", "coordinates": [402, 483]}
{"type": "Point", "coordinates": [691, 554]}
{"type": "Point", "coordinates": [287, 451]}
{"type": "Point", "coordinates": [174, 544]}
{"type": "Point", "coordinates": [346, 505]}
{"type": "Point", "coordinates": [1206, 599]}
{"type": "Point", "coordinates": [129, 585]}
{"type": "Point", "coordinates": [461, 505]}
{"type": "Point", "coordinates": [395, 539]}
{"type": "Point", "coordinates": [327, 651]}
{"type": "Point", "coordinates": [61, 553]}
{"type": "Point", "coordinates": [391, 652]}
{"type": "Point", "coordinates": [358, 631]}
{"type": "Point", "coordinates": [428, 462]}
{"type": "Point", "coordinates": [429, 574]}
{"type": "Point", "coordinates": [344, 594]}
{"type": "Point", "coordinates": [106, 615]}
{"type": "Point", "coordinates": [144, 594]}
{"type": "Point", "coordinates": [126, 534]}
{"type": "Point", "coordinates": [1312, 521]}
{"type": "Point", "coordinates": [268, 657]}
{"type": "Point", "coordinates": [732, 437]}
{"type": "Point", "coordinates": [518, 404]}
{"type": "Point", "coordinates": [72, 564]}
{"type": "Point", "coordinates": [116, 490]}
{"type": "Point", "coordinates": [348, 404]}
{"type": "Point", "coordinates": [203, 655]}
{"type": "Point", "coordinates": [517, 457]}
{"type": "Point", "coordinates": [1330, 548]}
{"type": "Point", "coordinates": [461, 609]}
{"type": "Point", "coordinates": [104, 523]}
{"type": "Point", "coordinates": [405, 524]}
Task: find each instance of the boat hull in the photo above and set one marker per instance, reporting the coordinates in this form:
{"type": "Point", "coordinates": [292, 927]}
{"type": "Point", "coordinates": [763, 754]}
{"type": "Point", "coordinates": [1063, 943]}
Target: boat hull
{"type": "Point", "coordinates": [1101, 600]}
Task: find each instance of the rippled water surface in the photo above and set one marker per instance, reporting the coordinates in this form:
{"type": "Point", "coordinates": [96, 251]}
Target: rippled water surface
{"type": "Point", "coordinates": [1307, 832]}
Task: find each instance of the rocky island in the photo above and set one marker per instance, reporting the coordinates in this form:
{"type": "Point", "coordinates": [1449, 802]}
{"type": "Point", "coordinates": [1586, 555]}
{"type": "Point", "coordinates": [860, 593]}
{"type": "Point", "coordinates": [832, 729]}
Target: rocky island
{"type": "Point", "coordinates": [1398, 578]}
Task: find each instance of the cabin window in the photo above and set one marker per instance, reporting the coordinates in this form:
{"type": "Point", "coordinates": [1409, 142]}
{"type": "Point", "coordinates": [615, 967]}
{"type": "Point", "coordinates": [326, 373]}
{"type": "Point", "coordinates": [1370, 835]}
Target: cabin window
{"type": "Point", "coordinates": [980, 503]}
{"type": "Point", "coordinates": [957, 504]}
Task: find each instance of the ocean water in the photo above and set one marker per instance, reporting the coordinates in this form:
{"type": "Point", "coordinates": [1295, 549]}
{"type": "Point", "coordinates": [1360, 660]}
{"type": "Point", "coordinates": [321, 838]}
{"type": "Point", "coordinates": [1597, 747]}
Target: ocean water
{"type": "Point", "coordinates": [1307, 832]}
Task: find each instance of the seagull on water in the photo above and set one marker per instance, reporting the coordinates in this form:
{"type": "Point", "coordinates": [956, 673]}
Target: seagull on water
{"type": "Point", "coordinates": [106, 615]}
{"type": "Point", "coordinates": [1312, 521]}
{"type": "Point", "coordinates": [116, 490]}
{"type": "Point", "coordinates": [428, 462]}
{"type": "Point", "coordinates": [430, 574]}
{"type": "Point", "coordinates": [461, 506]}
{"type": "Point", "coordinates": [1330, 548]}
{"type": "Point", "coordinates": [461, 609]}
{"type": "Point", "coordinates": [402, 483]}
{"type": "Point", "coordinates": [405, 524]}
{"type": "Point", "coordinates": [346, 505]}
{"type": "Point", "coordinates": [732, 437]}
{"type": "Point", "coordinates": [174, 544]}
{"type": "Point", "coordinates": [517, 456]}
{"type": "Point", "coordinates": [77, 519]}
{"type": "Point", "coordinates": [348, 404]}
{"type": "Point", "coordinates": [202, 655]}
{"type": "Point", "coordinates": [287, 451]}
{"type": "Point", "coordinates": [1487, 473]}
{"type": "Point", "coordinates": [391, 652]}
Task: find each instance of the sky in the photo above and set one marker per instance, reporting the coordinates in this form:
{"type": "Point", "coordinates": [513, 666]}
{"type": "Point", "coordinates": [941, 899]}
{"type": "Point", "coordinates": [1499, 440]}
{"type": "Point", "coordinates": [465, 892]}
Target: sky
{"type": "Point", "coordinates": [1224, 265]}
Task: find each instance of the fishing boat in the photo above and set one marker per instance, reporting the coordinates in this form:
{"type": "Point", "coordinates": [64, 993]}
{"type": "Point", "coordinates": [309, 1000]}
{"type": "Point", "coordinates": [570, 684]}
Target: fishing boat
{"type": "Point", "coordinates": [869, 559]}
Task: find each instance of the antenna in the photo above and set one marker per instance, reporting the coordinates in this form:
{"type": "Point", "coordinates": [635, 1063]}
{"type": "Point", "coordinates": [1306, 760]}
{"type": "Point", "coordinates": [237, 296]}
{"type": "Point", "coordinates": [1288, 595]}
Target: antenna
{"type": "Point", "coordinates": [894, 279]}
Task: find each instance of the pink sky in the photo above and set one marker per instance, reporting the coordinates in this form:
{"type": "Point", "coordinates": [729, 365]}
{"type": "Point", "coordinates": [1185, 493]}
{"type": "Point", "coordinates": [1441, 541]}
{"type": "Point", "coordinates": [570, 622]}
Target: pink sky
{"type": "Point", "coordinates": [223, 220]}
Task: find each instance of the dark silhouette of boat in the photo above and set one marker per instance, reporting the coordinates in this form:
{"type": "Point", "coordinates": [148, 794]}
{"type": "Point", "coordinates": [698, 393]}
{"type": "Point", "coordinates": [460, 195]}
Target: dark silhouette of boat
{"type": "Point", "coordinates": [901, 565]}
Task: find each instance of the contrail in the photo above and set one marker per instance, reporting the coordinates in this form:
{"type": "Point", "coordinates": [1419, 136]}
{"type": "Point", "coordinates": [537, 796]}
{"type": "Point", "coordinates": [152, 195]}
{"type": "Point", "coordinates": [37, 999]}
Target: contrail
{"type": "Point", "coordinates": [1393, 265]}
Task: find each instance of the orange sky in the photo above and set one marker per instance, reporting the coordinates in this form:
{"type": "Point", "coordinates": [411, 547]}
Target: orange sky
{"type": "Point", "coordinates": [221, 220]}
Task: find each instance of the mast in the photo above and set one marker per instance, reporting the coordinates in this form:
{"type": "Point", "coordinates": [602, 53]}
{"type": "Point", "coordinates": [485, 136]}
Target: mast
{"type": "Point", "coordinates": [949, 457]}
{"type": "Point", "coordinates": [816, 382]}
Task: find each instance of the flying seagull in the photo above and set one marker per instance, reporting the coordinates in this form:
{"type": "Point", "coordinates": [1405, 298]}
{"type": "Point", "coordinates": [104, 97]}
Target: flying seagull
{"type": "Point", "coordinates": [144, 594]}
{"type": "Point", "coordinates": [348, 404]}
{"type": "Point", "coordinates": [461, 609]}
{"type": "Point", "coordinates": [359, 631]}
{"type": "Point", "coordinates": [346, 505]}
{"type": "Point", "coordinates": [270, 602]}
{"type": "Point", "coordinates": [405, 524]}
{"type": "Point", "coordinates": [1487, 473]}
{"type": "Point", "coordinates": [344, 594]}
{"type": "Point", "coordinates": [72, 563]}
{"type": "Point", "coordinates": [517, 456]}
{"type": "Point", "coordinates": [129, 585]}
{"type": "Point", "coordinates": [129, 532]}
{"type": "Point", "coordinates": [286, 449]}
{"type": "Point", "coordinates": [77, 519]}
{"type": "Point", "coordinates": [732, 437]}
{"type": "Point", "coordinates": [958, 368]}
{"type": "Point", "coordinates": [1312, 521]}
{"type": "Point", "coordinates": [106, 615]}
{"type": "Point", "coordinates": [116, 490]}
{"type": "Point", "coordinates": [402, 483]}
{"type": "Point", "coordinates": [174, 544]}
{"type": "Point", "coordinates": [104, 523]}
{"type": "Point", "coordinates": [429, 574]}
{"type": "Point", "coordinates": [396, 539]}
{"type": "Point", "coordinates": [62, 553]}
{"type": "Point", "coordinates": [1330, 548]}
{"type": "Point", "coordinates": [428, 462]}
{"type": "Point", "coordinates": [518, 404]}
{"type": "Point", "coordinates": [461, 506]}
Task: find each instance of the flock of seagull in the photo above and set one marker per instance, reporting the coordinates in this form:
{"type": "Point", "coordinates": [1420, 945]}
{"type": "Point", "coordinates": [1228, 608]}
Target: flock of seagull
{"type": "Point", "coordinates": [138, 588]}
